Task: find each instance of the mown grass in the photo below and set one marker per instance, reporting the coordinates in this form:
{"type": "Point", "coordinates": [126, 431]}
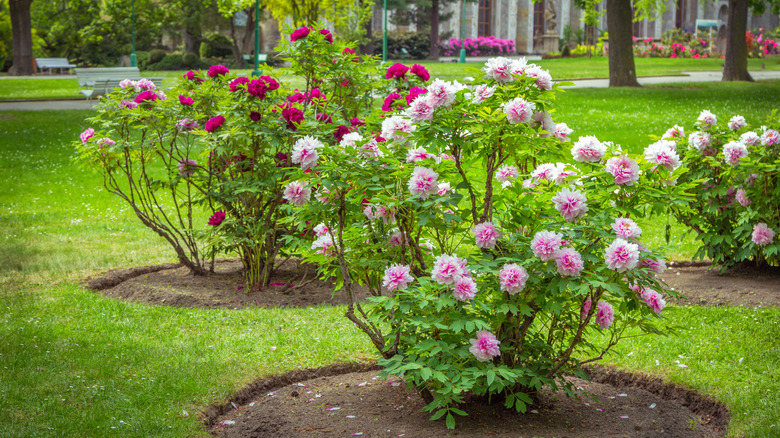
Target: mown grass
{"type": "Point", "coordinates": [74, 363]}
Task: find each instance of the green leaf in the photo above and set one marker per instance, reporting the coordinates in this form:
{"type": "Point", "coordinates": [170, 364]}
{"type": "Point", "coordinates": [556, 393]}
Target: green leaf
{"type": "Point", "coordinates": [450, 421]}
{"type": "Point", "coordinates": [440, 413]}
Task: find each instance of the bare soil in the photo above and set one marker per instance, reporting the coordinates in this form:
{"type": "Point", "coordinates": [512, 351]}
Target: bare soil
{"type": "Point", "coordinates": [350, 400]}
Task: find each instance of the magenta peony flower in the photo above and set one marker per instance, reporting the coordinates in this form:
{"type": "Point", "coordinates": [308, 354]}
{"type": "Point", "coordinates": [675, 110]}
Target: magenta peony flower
{"type": "Point", "coordinates": [214, 123]}
{"type": "Point", "coordinates": [585, 308]}
{"type": "Point", "coordinates": [257, 88]}
{"type": "Point", "coordinates": [297, 34]}
{"type": "Point", "coordinates": [733, 151]}
{"type": "Point", "coordinates": [328, 35]}
{"type": "Point", "coordinates": [421, 109]}
{"type": "Point", "coordinates": [545, 244]}
{"type": "Point", "coordinates": [185, 125]}
{"type": "Point", "coordinates": [217, 218]}
{"type": "Point", "coordinates": [348, 51]}
{"type": "Point", "coordinates": [588, 149]}
{"type": "Point", "coordinates": [146, 96]}
{"type": "Point", "coordinates": [421, 72]}
{"type": "Point", "coordinates": [486, 235]}
{"type": "Point", "coordinates": [663, 153]}
{"type": "Point", "coordinates": [762, 234]}
{"type": "Point", "coordinates": [568, 262]}
{"type": "Point", "coordinates": [706, 120]}
{"type": "Point", "coordinates": [423, 182]}
{"type": "Point", "coordinates": [186, 101]}
{"type": "Point", "coordinates": [626, 228]}
{"type": "Point", "coordinates": [236, 82]}
{"type": "Point", "coordinates": [293, 117]}
{"type": "Point", "coordinates": [571, 204]}
{"type": "Point", "coordinates": [605, 315]}
{"type": "Point", "coordinates": [413, 94]}
{"type": "Point", "coordinates": [485, 347]}
{"type": "Point", "coordinates": [397, 277]}
{"type": "Point", "coordinates": [297, 193]}
{"type": "Point", "coordinates": [737, 122]}
{"type": "Point", "coordinates": [217, 70]}
{"type": "Point", "coordinates": [448, 269]}
{"type": "Point", "coordinates": [255, 116]}
{"type": "Point", "coordinates": [657, 266]}
{"type": "Point", "coordinates": [621, 255]}
{"type": "Point", "coordinates": [507, 173]}
{"type": "Point", "coordinates": [128, 104]}
{"type": "Point", "coordinates": [513, 278]}
{"type": "Point", "coordinates": [105, 141]}
{"type": "Point", "coordinates": [192, 76]}
{"type": "Point", "coordinates": [304, 152]}
{"type": "Point", "coordinates": [652, 298]}
{"type": "Point", "coordinates": [86, 135]}
{"type": "Point", "coordinates": [270, 82]}
{"type": "Point", "coordinates": [388, 103]}
{"type": "Point", "coordinates": [465, 289]}
{"type": "Point", "coordinates": [396, 71]}
{"type": "Point", "coordinates": [518, 110]}
{"type": "Point", "coordinates": [187, 167]}
{"type": "Point", "coordinates": [624, 169]}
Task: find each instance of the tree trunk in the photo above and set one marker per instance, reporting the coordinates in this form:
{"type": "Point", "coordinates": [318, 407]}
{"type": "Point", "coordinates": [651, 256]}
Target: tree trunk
{"type": "Point", "coordinates": [736, 65]}
{"type": "Point", "coordinates": [21, 28]}
{"type": "Point", "coordinates": [434, 52]}
{"type": "Point", "coordinates": [238, 54]}
{"type": "Point", "coordinates": [368, 47]}
{"type": "Point", "coordinates": [622, 72]}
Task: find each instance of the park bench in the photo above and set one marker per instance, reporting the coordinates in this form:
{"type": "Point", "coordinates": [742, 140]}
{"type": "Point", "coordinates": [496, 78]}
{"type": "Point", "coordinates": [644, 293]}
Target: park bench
{"type": "Point", "coordinates": [87, 76]}
{"type": "Point", "coordinates": [52, 63]}
{"type": "Point", "coordinates": [104, 86]}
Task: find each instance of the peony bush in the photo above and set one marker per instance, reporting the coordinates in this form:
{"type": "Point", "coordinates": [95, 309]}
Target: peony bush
{"type": "Point", "coordinates": [500, 254]}
{"type": "Point", "coordinates": [736, 211]}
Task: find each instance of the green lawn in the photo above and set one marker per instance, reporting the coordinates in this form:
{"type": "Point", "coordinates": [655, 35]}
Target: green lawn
{"type": "Point", "coordinates": [74, 363]}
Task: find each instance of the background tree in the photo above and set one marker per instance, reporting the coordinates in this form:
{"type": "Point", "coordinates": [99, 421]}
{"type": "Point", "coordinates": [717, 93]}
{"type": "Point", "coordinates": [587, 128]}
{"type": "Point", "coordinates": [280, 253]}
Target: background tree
{"type": "Point", "coordinates": [735, 63]}
{"type": "Point", "coordinates": [622, 70]}
{"type": "Point", "coordinates": [21, 28]}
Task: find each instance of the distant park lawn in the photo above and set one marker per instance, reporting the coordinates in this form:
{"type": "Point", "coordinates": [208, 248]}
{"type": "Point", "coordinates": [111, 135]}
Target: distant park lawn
{"type": "Point", "coordinates": [44, 88]}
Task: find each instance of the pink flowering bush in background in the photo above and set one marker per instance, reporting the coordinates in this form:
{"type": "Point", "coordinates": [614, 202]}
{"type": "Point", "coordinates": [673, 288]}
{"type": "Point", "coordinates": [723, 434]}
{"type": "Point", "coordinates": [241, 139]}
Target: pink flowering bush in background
{"type": "Point", "coordinates": [482, 239]}
{"type": "Point", "coordinates": [480, 46]}
{"type": "Point", "coordinates": [211, 169]}
{"type": "Point", "coordinates": [737, 202]}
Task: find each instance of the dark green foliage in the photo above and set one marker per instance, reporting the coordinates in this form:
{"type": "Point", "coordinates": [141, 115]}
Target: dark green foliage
{"type": "Point", "coordinates": [215, 46]}
{"type": "Point", "coordinates": [417, 44]}
{"type": "Point", "coordinates": [156, 56]}
{"type": "Point", "coordinates": [190, 60]}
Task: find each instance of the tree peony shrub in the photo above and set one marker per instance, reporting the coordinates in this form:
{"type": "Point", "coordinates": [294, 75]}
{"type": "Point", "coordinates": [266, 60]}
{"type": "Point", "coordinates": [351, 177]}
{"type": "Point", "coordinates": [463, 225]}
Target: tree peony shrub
{"type": "Point", "coordinates": [738, 171]}
{"type": "Point", "coordinates": [229, 146]}
{"type": "Point", "coordinates": [492, 285]}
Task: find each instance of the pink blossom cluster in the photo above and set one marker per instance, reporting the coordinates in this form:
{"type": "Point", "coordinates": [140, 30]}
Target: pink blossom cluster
{"type": "Point", "coordinates": [663, 153]}
{"type": "Point", "coordinates": [762, 234]}
{"type": "Point", "coordinates": [588, 149]}
{"type": "Point", "coordinates": [482, 93]}
{"type": "Point", "coordinates": [621, 255]}
{"type": "Point", "coordinates": [485, 346]}
{"type": "Point", "coordinates": [770, 137]}
{"type": "Point", "coordinates": [605, 315]}
{"type": "Point", "coordinates": [506, 173]}
{"type": "Point", "coordinates": [737, 123]}
{"type": "Point", "coordinates": [397, 277]}
{"type": "Point", "coordinates": [626, 228]}
{"type": "Point", "coordinates": [453, 271]}
{"type": "Point", "coordinates": [513, 278]}
{"type": "Point", "coordinates": [304, 152]}
{"type": "Point", "coordinates": [555, 173]}
{"type": "Point", "coordinates": [562, 132]}
{"type": "Point", "coordinates": [652, 298]}
{"type": "Point", "coordinates": [395, 128]}
{"type": "Point", "coordinates": [733, 151]}
{"type": "Point", "coordinates": [546, 244]}
{"type": "Point", "coordinates": [624, 169]}
{"type": "Point", "coordinates": [419, 153]}
{"type": "Point", "coordinates": [749, 138]}
{"type": "Point", "coordinates": [323, 244]}
{"type": "Point", "coordinates": [518, 110]}
{"type": "Point", "coordinates": [674, 133]}
{"type": "Point", "coordinates": [571, 204]}
{"type": "Point", "coordinates": [486, 235]}
{"type": "Point", "coordinates": [187, 167]}
{"type": "Point", "coordinates": [706, 120]}
{"type": "Point", "coordinates": [423, 182]}
{"type": "Point", "coordinates": [480, 46]}
{"type": "Point", "coordinates": [742, 198]}
{"type": "Point", "coordinates": [699, 140]}
{"type": "Point", "coordinates": [297, 193]}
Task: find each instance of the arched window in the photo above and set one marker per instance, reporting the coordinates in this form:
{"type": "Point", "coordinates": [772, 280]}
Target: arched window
{"type": "Point", "coordinates": [485, 12]}
{"type": "Point", "coordinates": [539, 18]}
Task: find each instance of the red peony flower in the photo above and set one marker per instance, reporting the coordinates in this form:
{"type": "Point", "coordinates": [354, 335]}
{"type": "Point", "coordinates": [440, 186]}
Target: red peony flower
{"type": "Point", "coordinates": [236, 82]}
{"type": "Point", "coordinates": [328, 35]}
{"type": "Point", "coordinates": [147, 95]}
{"type": "Point", "coordinates": [255, 116]}
{"type": "Point", "coordinates": [299, 33]}
{"type": "Point", "coordinates": [217, 218]}
{"type": "Point", "coordinates": [396, 71]}
{"type": "Point", "coordinates": [214, 123]}
{"type": "Point", "coordinates": [218, 70]}
{"type": "Point", "coordinates": [257, 88]}
{"type": "Point", "coordinates": [186, 101]}
{"type": "Point", "coordinates": [421, 72]}
{"type": "Point", "coordinates": [293, 116]}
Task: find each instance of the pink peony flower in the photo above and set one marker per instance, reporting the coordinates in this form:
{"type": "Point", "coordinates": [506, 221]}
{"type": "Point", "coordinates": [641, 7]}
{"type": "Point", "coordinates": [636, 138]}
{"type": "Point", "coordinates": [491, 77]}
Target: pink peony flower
{"type": "Point", "coordinates": [105, 141]}
{"type": "Point", "coordinates": [448, 269]}
{"type": "Point", "coordinates": [699, 140]}
{"type": "Point", "coordinates": [562, 132]}
{"type": "Point", "coordinates": [653, 299]}
{"type": "Point", "coordinates": [443, 188]}
{"type": "Point", "coordinates": [657, 266]}
{"type": "Point", "coordinates": [217, 70]}
{"type": "Point", "coordinates": [499, 69]}
{"type": "Point", "coordinates": [545, 244]}
{"type": "Point", "coordinates": [543, 78]}
{"type": "Point", "coordinates": [395, 128]}
{"type": "Point", "coordinates": [506, 173]}
{"type": "Point", "coordinates": [543, 119]}
{"type": "Point", "coordinates": [144, 84]}
{"type": "Point", "coordinates": [128, 104]}
{"type": "Point", "coordinates": [762, 234]}
{"type": "Point", "coordinates": [418, 154]}
{"type": "Point", "coordinates": [214, 123]}
{"type": "Point", "coordinates": [621, 255]}
{"type": "Point", "coordinates": [423, 182]}
{"type": "Point", "coordinates": [518, 110]}
{"type": "Point", "coordinates": [706, 120]}
{"type": "Point", "coordinates": [571, 204]}
{"type": "Point", "coordinates": [674, 132]}
{"type": "Point", "coordinates": [663, 153]}
{"type": "Point", "coordinates": [421, 109]}
{"type": "Point", "coordinates": [396, 71]}
{"type": "Point", "coordinates": [299, 33]}
{"type": "Point", "coordinates": [397, 277]}
{"type": "Point", "coordinates": [465, 289]}
{"type": "Point", "coordinates": [185, 125]}
{"type": "Point", "coordinates": [297, 193]}
{"type": "Point", "coordinates": [737, 122]}
{"type": "Point", "coordinates": [486, 235]}
{"type": "Point", "coordinates": [396, 239]}
{"type": "Point", "coordinates": [513, 278]}
{"type": "Point", "coordinates": [742, 197]}
{"type": "Point", "coordinates": [304, 152]}
{"type": "Point", "coordinates": [321, 229]}
{"type": "Point", "coordinates": [186, 101]}
{"type": "Point", "coordinates": [86, 135]}
{"type": "Point", "coordinates": [327, 34]}
{"type": "Point", "coordinates": [482, 93]}
{"type": "Point", "coordinates": [624, 169]}
{"type": "Point", "coordinates": [324, 245]}
{"type": "Point", "coordinates": [568, 262]}
{"type": "Point", "coordinates": [626, 228]}
{"type": "Point", "coordinates": [770, 137]}
{"type": "Point", "coordinates": [421, 72]}
{"type": "Point", "coordinates": [588, 149]}
{"type": "Point", "coordinates": [605, 315]}
{"type": "Point", "coordinates": [146, 96]}
{"type": "Point", "coordinates": [187, 167]}
{"type": "Point", "coordinates": [733, 151]}
{"type": "Point", "coordinates": [586, 308]}
{"type": "Point", "coordinates": [485, 347]}
{"type": "Point", "coordinates": [441, 93]}
{"type": "Point", "coordinates": [217, 218]}
{"type": "Point", "coordinates": [749, 138]}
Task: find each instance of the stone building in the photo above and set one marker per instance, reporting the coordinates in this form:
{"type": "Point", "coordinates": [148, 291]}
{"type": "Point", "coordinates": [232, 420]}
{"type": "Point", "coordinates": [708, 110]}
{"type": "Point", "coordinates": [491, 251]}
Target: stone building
{"type": "Point", "coordinates": [528, 23]}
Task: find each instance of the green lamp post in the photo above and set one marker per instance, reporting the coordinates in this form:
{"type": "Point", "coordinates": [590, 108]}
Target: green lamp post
{"type": "Point", "coordinates": [257, 72]}
{"type": "Point", "coordinates": [463, 34]}
{"type": "Point", "coordinates": [384, 36]}
{"type": "Point", "coordinates": [133, 58]}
